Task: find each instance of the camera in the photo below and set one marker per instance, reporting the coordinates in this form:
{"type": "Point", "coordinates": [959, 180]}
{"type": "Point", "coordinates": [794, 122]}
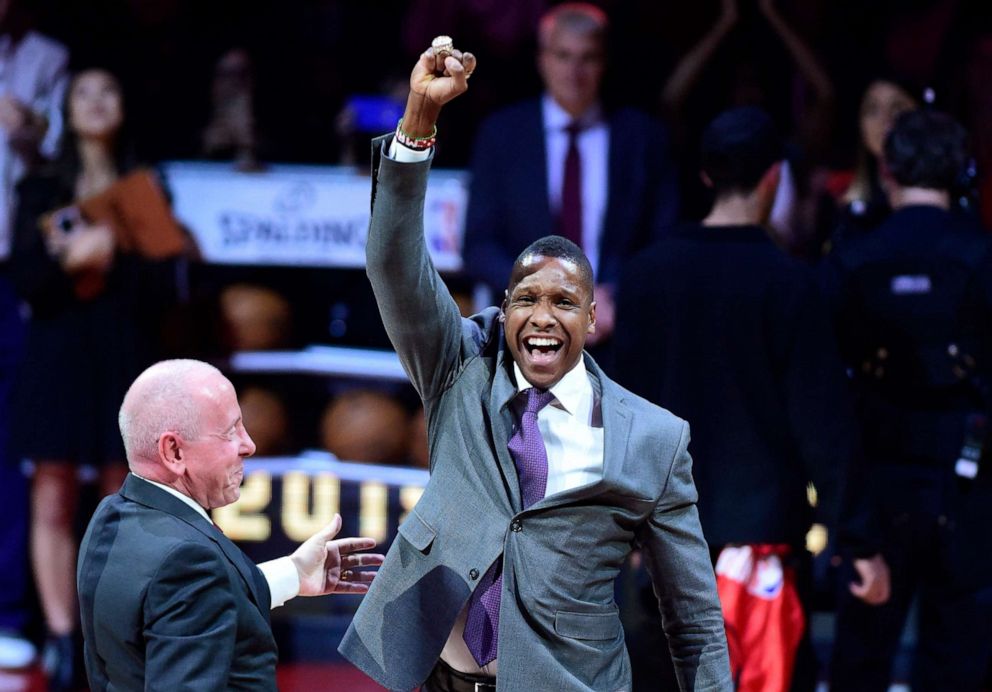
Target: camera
{"type": "Point", "coordinates": [66, 219]}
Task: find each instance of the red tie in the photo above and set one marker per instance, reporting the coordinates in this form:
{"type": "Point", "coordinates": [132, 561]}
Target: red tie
{"type": "Point", "coordinates": [570, 215]}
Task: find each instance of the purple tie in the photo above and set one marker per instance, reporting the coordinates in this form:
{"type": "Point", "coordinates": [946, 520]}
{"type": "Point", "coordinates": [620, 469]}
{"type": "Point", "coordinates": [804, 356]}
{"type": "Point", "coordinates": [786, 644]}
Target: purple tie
{"type": "Point", "coordinates": [527, 448]}
{"type": "Point", "coordinates": [570, 214]}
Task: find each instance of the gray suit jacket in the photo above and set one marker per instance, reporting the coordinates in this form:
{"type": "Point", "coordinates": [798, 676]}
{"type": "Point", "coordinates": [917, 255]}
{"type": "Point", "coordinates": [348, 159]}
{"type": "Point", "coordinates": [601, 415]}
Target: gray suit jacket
{"type": "Point", "coordinates": [168, 602]}
{"type": "Point", "coordinates": [559, 628]}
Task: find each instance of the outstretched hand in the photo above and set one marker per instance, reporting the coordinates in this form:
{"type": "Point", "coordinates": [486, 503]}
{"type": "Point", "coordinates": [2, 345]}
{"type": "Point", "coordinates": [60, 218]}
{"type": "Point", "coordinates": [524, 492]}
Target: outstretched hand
{"type": "Point", "coordinates": [332, 566]}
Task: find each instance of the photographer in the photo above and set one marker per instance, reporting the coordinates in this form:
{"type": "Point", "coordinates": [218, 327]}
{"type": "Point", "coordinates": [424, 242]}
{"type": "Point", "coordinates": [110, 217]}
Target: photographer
{"type": "Point", "coordinates": [912, 305]}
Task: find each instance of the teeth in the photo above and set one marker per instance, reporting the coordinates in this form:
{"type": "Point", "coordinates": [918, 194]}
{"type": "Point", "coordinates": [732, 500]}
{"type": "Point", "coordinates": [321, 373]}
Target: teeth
{"type": "Point", "coordinates": [539, 341]}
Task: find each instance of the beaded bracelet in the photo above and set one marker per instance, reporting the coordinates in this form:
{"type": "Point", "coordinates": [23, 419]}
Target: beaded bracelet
{"type": "Point", "coordinates": [415, 143]}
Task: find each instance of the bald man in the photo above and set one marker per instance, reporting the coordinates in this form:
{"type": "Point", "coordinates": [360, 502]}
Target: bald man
{"type": "Point", "coordinates": [167, 601]}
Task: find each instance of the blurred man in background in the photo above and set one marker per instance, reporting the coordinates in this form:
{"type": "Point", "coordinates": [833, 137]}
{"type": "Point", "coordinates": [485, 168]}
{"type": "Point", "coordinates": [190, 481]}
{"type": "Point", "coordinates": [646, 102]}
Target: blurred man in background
{"type": "Point", "coordinates": [566, 164]}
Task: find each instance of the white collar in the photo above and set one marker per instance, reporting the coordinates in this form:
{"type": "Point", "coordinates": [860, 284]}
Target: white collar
{"type": "Point", "coordinates": [172, 491]}
{"type": "Point", "coordinates": [568, 391]}
{"type": "Point", "coordinates": [557, 118]}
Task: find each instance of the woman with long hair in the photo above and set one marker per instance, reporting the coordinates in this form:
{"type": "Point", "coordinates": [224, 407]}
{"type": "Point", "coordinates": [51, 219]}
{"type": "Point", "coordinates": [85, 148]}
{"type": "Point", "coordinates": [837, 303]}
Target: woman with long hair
{"type": "Point", "coordinates": [85, 345]}
{"type": "Point", "coordinates": [864, 202]}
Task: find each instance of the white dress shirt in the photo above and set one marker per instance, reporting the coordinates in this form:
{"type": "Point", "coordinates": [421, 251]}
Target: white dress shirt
{"type": "Point", "coordinates": [594, 148]}
{"type": "Point", "coordinates": [281, 574]}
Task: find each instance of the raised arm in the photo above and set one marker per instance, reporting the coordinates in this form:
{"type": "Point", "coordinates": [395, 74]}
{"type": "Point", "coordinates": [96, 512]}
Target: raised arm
{"type": "Point", "coordinates": [801, 53]}
{"type": "Point", "coordinates": [816, 121]}
{"type": "Point", "coordinates": [417, 310]}
{"type": "Point", "coordinates": [687, 72]}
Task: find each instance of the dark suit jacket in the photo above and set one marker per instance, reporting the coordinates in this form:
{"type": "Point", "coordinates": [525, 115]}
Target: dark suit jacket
{"type": "Point", "coordinates": [559, 627]}
{"type": "Point", "coordinates": [719, 325]}
{"type": "Point", "coordinates": [168, 602]}
{"type": "Point", "coordinates": [508, 202]}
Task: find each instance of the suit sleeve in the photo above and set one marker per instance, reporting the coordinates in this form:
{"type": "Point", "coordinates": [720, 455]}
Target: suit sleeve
{"type": "Point", "coordinates": [644, 212]}
{"type": "Point", "coordinates": [682, 574]}
{"type": "Point", "coordinates": [190, 622]}
{"type": "Point", "coordinates": [487, 256]}
{"type": "Point", "coordinates": [664, 187]}
{"type": "Point", "coordinates": [418, 312]}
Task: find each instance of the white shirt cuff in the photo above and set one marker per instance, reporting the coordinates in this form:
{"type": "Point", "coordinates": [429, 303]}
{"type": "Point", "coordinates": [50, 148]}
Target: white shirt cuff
{"type": "Point", "coordinates": [283, 579]}
{"type": "Point", "coordinates": [404, 154]}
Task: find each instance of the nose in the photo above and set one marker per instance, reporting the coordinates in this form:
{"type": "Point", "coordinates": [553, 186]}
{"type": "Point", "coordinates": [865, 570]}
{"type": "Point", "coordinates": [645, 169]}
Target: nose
{"type": "Point", "coordinates": [543, 315]}
{"type": "Point", "coordinates": [247, 445]}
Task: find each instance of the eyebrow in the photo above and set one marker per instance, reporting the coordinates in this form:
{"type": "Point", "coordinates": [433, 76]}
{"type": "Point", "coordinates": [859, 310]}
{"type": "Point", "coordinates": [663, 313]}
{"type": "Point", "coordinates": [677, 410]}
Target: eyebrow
{"type": "Point", "coordinates": [573, 292]}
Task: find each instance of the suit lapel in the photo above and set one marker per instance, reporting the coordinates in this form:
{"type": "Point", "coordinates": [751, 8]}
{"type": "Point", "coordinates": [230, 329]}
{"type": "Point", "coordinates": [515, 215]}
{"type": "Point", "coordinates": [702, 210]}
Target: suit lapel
{"type": "Point", "coordinates": [247, 570]}
{"type": "Point", "coordinates": [142, 492]}
{"type": "Point", "coordinates": [616, 429]}
{"type": "Point", "coordinates": [617, 202]}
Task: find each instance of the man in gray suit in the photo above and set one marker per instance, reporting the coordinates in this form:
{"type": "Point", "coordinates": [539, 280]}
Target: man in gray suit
{"type": "Point", "coordinates": [545, 474]}
{"type": "Point", "coordinates": [167, 601]}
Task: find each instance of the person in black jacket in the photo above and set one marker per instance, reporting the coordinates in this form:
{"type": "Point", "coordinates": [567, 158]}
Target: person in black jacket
{"type": "Point", "coordinates": [913, 308]}
{"type": "Point", "coordinates": [719, 325]}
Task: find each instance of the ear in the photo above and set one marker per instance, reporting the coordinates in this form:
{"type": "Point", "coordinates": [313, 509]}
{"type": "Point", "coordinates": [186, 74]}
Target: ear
{"type": "Point", "coordinates": [706, 179]}
{"type": "Point", "coordinates": [592, 318]}
{"type": "Point", "coordinates": [171, 453]}
{"type": "Point", "coordinates": [502, 306]}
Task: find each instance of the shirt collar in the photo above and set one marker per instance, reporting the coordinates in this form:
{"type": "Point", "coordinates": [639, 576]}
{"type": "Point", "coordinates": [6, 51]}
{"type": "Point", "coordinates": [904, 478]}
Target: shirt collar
{"type": "Point", "coordinates": [172, 491]}
{"type": "Point", "coordinates": [568, 391]}
{"type": "Point", "coordinates": [557, 118]}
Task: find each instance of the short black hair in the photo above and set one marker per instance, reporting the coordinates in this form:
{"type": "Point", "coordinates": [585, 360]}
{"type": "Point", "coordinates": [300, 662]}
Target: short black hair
{"type": "Point", "coordinates": [738, 147]}
{"type": "Point", "coordinates": [927, 149]}
{"type": "Point", "coordinates": [558, 247]}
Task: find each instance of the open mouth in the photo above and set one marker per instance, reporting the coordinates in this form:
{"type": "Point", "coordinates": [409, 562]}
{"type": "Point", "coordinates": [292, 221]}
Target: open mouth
{"type": "Point", "coordinates": [542, 349]}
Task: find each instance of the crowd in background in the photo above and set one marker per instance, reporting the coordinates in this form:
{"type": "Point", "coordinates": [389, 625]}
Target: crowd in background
{"type": "Point", "coordinates": [116, 84]}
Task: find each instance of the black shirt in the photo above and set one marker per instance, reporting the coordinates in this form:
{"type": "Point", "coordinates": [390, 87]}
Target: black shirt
{"type": "Point", "coordinates": [720, 326]}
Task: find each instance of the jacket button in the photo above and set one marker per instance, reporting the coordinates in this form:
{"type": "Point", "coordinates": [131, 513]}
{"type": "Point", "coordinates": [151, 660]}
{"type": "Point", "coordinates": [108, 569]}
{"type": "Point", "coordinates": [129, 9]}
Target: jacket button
{"type": "Point", "coordinates": [473, 574]}
{"type": "Point", "coordinates": [516, 526]}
